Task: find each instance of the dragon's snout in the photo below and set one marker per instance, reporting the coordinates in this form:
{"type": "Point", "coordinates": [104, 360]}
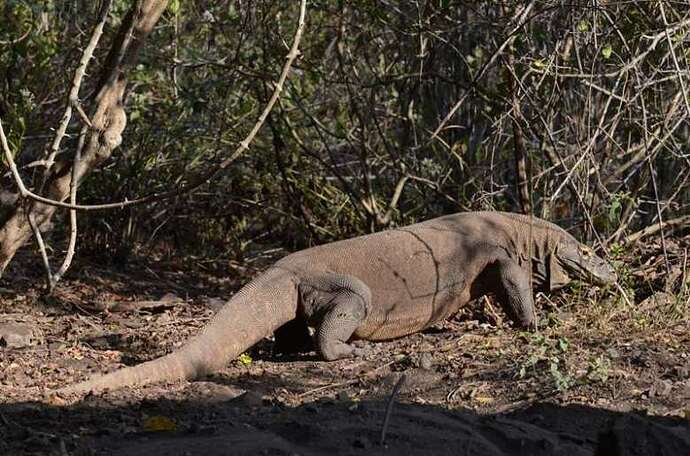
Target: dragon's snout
{"type": "Point", "coordinates": [603, 274]}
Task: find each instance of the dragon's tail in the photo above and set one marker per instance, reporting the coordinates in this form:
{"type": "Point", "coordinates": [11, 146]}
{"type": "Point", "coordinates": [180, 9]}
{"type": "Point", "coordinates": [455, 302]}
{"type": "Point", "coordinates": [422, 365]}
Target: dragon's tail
{"type": "Point", "coordinates": [257, 310]}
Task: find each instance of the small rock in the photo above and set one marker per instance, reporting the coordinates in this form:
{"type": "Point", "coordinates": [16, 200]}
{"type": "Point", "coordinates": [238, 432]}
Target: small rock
{"type": "Point", "coordinates": [654, 301]}
{"type": "Point", "coordinates": [214, 303]}
{"type": "Point", "coordinates": [640, 359]}
{"type": "Point", "coordinates": [250, 399]}
{"type": "Point", "coordinates": [211, 392]}
{"type": "Point", "coordinates": [683, 392]}
{"type": "Point", "coordinates": [682, 372]}
{"type": "Point", "coordinates": [660, 388]}
{"type": "Point", "coordinates": [416, 379]}
{"type": "Point", "coordinates": [106, 341]}
{"type": "Point", "coordinates": [170, 297]}
{"type": "Point", "coordinates": [426, 361]}
{"type": "Point", "coordinates": [16, 335]}
{"type": "Point", "coordinates": [133, 323]}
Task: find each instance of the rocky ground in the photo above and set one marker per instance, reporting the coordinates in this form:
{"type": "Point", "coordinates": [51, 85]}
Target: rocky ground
{"type": "Point", "coordinates": [602, 375]}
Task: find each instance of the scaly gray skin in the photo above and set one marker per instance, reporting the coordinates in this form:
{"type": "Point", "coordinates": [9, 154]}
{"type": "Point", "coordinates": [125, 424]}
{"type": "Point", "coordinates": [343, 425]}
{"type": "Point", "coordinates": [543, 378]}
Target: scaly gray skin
{"type": "Point", "coordinates": [382, 286]}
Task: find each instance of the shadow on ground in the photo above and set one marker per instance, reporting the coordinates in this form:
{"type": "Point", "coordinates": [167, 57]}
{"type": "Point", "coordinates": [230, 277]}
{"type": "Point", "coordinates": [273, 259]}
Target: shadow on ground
{"type": "Point", "coordinates": [331, 427]}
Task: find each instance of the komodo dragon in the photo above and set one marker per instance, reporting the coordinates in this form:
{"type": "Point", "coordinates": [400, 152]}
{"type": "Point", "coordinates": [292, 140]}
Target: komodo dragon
{"type": "Point", "coordinates": [381, 286]}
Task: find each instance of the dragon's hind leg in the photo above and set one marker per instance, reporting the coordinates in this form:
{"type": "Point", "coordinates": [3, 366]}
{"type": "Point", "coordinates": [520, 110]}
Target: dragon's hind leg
{"type": "Point", "coordinates": [336, 305]}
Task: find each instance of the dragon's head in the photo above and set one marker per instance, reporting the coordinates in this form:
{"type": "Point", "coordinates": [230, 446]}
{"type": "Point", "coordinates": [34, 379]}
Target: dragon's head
{"type": "Point", "coordinates": [575, 261]}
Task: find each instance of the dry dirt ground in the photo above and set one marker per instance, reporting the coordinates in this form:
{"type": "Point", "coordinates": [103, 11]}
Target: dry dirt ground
{"type": "Point", "coordinates": [600, 377]}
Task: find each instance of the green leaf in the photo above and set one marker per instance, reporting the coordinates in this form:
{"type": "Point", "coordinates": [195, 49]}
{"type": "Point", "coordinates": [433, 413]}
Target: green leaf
{"type": "Point", "coordinates": [615, 210]}
{"type": "Point", "coordinates": [563, 344]}
{"type": "Point", "coordinates": [245, 359]}
{"type": "Point", "coordinates": [606, 52]}
{"type": "Point", "coordinates": [538, 63]}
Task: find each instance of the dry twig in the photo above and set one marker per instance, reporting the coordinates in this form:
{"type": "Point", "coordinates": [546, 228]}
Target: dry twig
{"type": "Point", "coordinates": [389, 408]}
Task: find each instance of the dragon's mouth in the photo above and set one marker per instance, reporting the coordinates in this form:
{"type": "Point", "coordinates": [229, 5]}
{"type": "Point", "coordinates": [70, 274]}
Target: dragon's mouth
{"type": "Point", "coordinates": [598, 274]}
{"type": "Point", "coordinates": [604, 275]}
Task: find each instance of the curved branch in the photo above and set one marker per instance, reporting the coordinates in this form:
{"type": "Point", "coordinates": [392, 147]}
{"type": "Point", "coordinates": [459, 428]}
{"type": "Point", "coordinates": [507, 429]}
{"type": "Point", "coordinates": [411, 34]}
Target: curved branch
{"type": "Point", "coordinates": [653, 229]}
{"type": "Point", "coordinates": [73, 96]}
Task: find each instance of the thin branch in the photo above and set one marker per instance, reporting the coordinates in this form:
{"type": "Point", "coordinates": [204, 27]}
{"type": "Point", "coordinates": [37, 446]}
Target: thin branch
{"type": "Point", "coordinates": [41, 247]}
{"type": "Point", "coordinates": [17, 40]}
{"type": "Point", "coordinates": [674, 58]}
{"type": "Point", "coordinates": [590, 144]}
{"type": "Point", "coordinates": [82, 114]}
{"type": "Point", "coordinates": [655, 228]}
{"type": "Point", "coordinates": [73, 185]}
{"type": "Point", "coordinates": [389, 408]}
{"type": "Point", "coordinates": [73, 96]}
{"type": "Point", "coordinates": [72, 101]}
{"type": "Point", "coordinates": [400, 186]}
{"type": "Point", "coordinates": [509, 39]}
{"type": "Point", "coordinates": [656, 39]}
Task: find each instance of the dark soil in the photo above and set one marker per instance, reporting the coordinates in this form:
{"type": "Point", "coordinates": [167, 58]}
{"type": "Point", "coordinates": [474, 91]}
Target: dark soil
{"type": "Point", "coordinates": [600, 377]}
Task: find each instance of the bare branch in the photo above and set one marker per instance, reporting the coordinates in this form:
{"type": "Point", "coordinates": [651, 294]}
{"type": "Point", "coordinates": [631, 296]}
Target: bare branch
{"type": "Point", "coordinates": [73, 96]}
{"type": "Point", "coordinates": [681, 80]}
{"type": "Point", "coordinates": [71, 247]}
{"type": "Point", "coordinates": [41, 247]}
{"type": "Point", "coordinates": [509, 39]}
{"type": "Point", "coordinates": [653, 229]}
